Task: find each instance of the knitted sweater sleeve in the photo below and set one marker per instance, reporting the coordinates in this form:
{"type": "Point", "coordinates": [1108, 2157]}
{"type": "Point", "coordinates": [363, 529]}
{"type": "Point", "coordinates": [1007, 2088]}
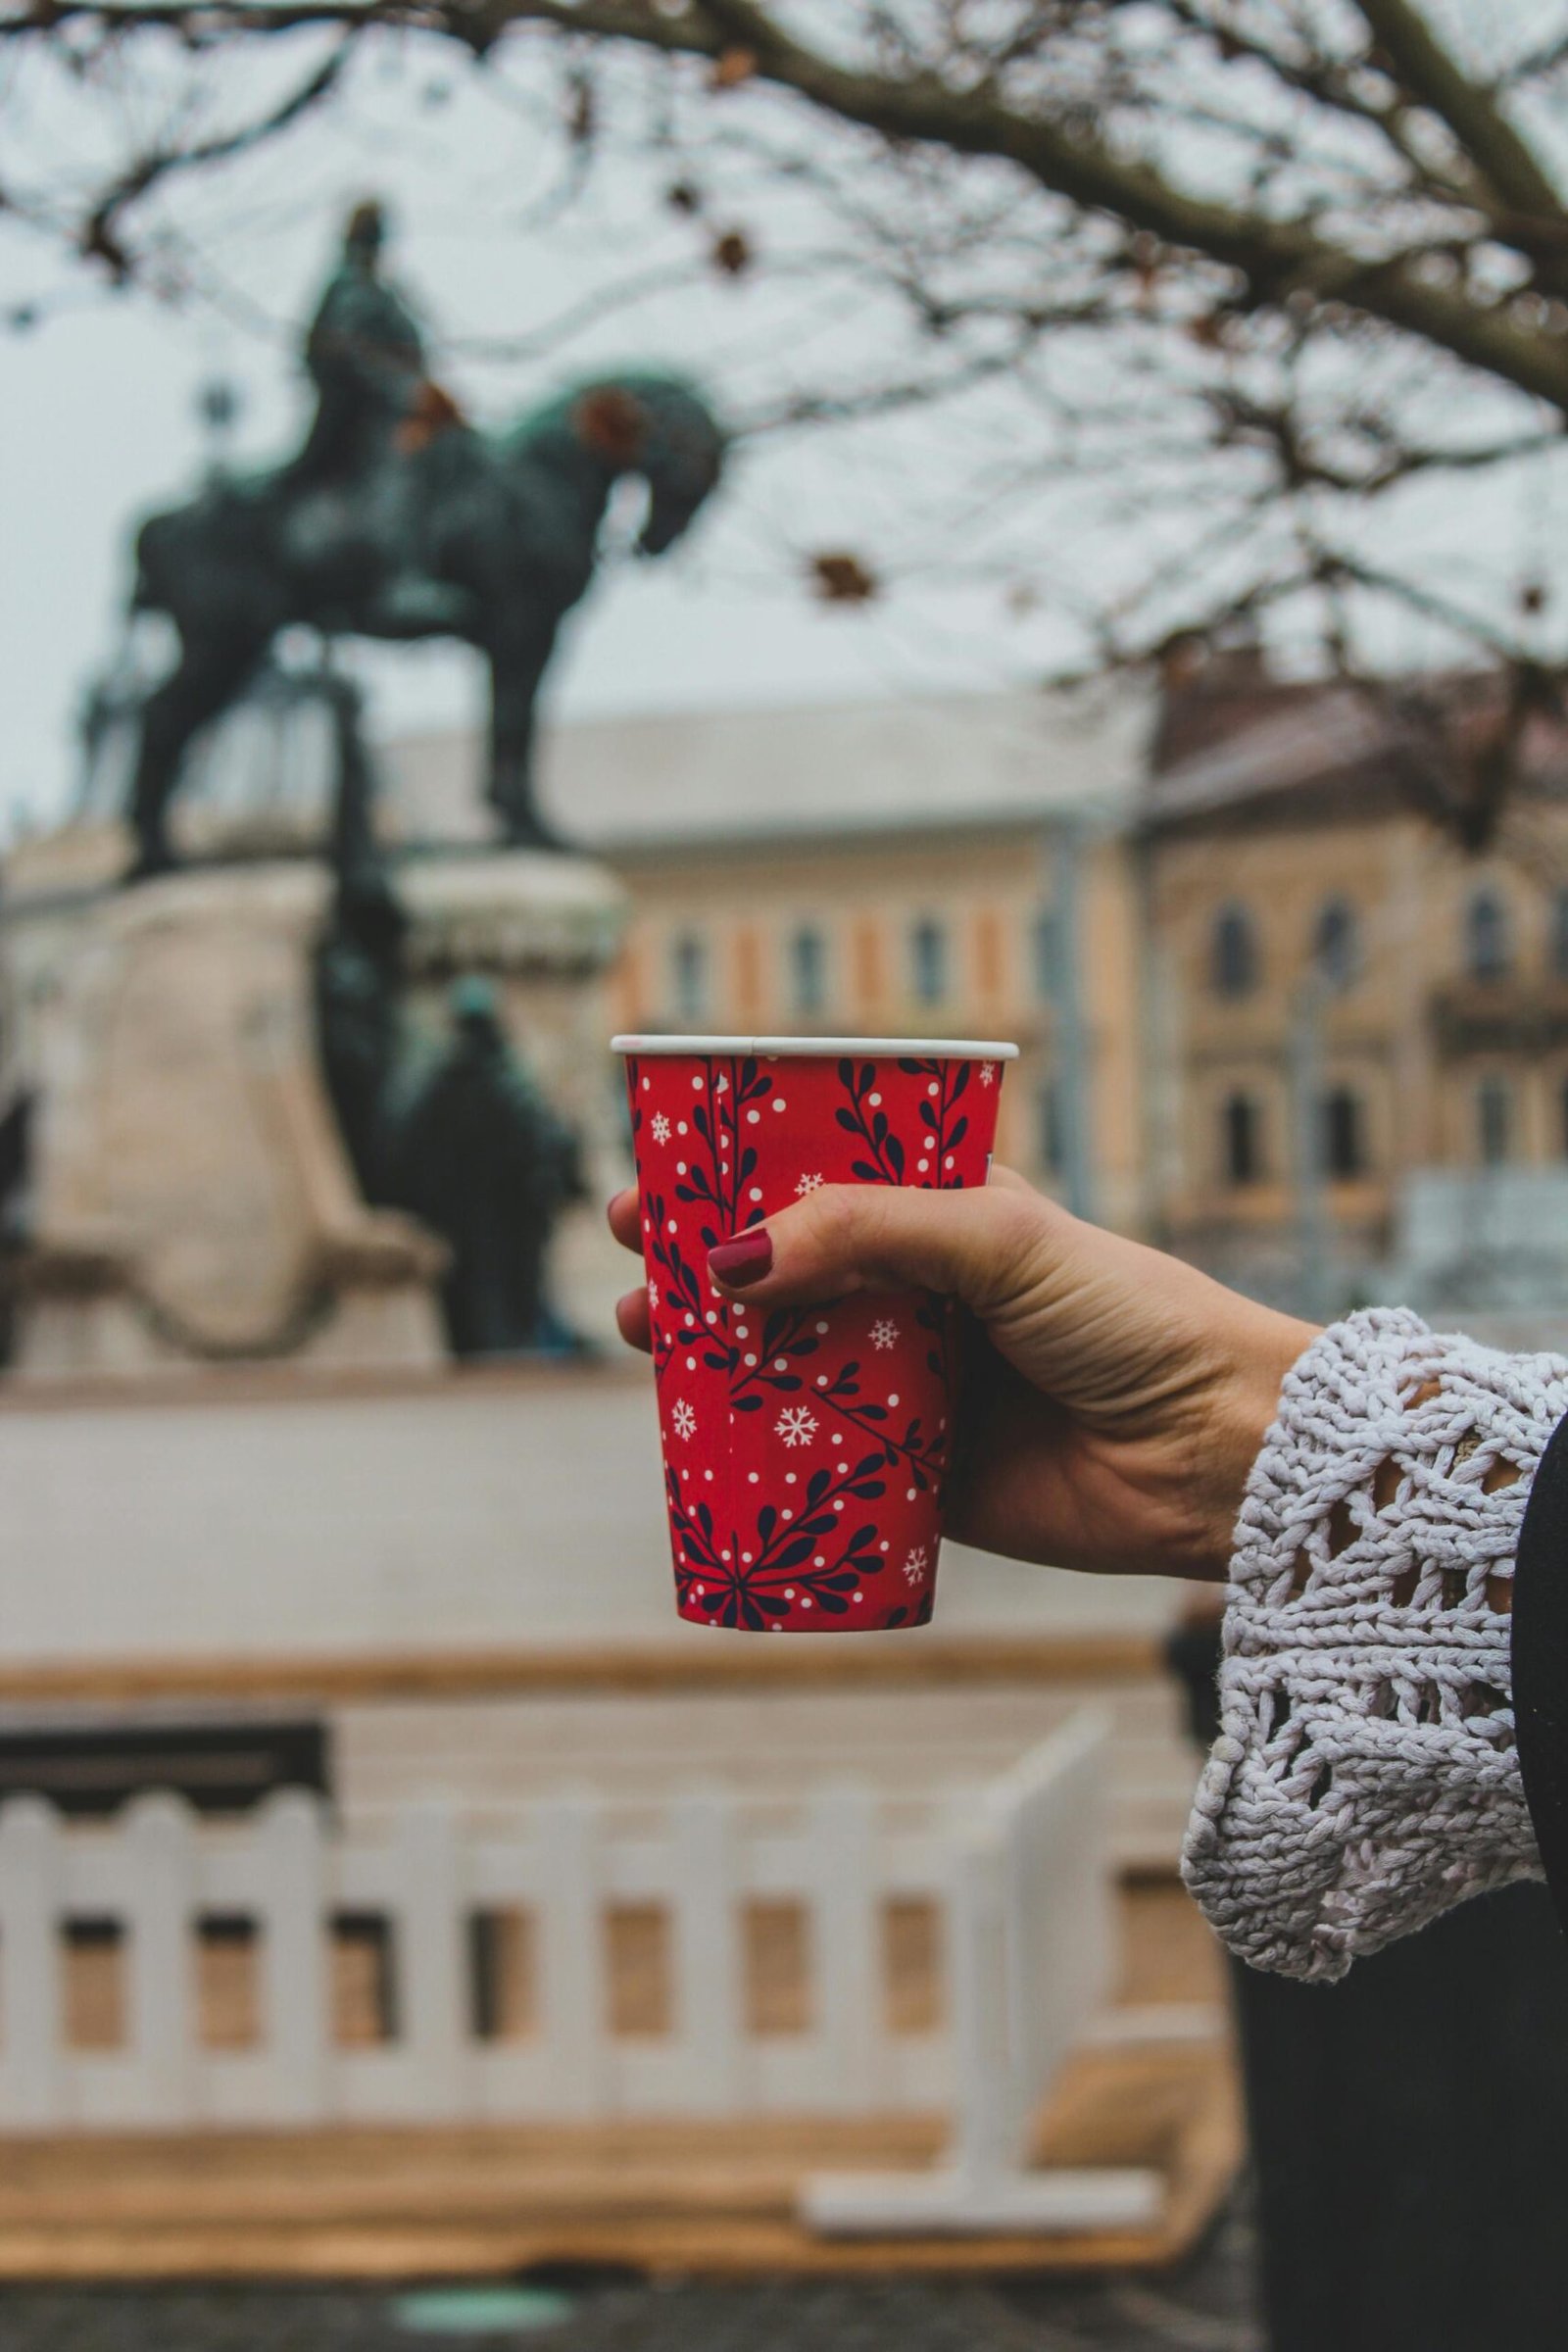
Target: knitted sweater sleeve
{"type": "Point", "coordinates": [1366, 1777]}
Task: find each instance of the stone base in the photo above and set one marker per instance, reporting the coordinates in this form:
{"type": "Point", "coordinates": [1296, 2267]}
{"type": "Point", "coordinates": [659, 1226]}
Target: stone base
{"type": "Point", "coordinates": [192, 1202]}
{"type": "Point", "coordinates": [363, 1299]}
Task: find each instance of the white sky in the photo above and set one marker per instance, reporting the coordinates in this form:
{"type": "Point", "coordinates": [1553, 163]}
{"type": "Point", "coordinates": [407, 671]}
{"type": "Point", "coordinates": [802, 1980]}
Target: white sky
{"type": "Point", "coordinates": [99, 425]}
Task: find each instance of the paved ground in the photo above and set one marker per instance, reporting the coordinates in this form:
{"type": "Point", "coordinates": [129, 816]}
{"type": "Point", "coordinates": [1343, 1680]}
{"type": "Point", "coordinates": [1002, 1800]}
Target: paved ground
{"type": "Point", "coordinates": [1207, 2308]}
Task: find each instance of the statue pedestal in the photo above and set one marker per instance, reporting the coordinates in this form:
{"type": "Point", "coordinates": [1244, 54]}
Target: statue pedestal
{"type": "Point", "coordinates": [191, 1201]}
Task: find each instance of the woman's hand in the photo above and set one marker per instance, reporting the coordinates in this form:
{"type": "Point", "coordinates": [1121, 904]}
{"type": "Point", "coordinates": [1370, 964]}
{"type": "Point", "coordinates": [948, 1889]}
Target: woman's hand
{"type": "Point", "coordinates": [1113, 1398]}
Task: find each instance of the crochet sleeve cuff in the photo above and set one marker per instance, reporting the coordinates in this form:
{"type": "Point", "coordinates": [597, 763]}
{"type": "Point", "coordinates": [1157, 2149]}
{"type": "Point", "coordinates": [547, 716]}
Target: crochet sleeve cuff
{"type": "Point", "coordinates": [1366, 1777]}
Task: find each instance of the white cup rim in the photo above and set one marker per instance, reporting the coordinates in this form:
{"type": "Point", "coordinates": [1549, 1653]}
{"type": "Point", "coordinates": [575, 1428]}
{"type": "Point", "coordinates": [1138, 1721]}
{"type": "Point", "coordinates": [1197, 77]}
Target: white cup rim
{"type": "Point", "coordinates": [769, 1048]}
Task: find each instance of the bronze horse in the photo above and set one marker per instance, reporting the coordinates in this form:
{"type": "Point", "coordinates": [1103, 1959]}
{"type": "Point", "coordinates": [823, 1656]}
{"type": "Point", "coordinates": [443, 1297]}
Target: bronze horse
{"type": "Point", "coordinates": [488, 538]}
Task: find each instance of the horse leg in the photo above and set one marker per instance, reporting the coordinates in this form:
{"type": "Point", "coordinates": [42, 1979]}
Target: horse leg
{"type": "Point", "coordinates": [516, 672]}
{"type": "Point", "coordinates": [209, 675]}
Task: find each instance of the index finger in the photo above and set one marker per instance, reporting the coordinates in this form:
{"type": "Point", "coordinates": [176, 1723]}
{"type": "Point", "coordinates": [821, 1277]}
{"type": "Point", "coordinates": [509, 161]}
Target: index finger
{"type": "Point", "coordinates": [626, 1223]}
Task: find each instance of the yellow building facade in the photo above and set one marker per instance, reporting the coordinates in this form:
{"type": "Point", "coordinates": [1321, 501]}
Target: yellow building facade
{"type": "Point", "coordinates": [1350, 1006]}
{"type": "Point", "coordinates": [943, 867]}
{"type": "Point", "coordinates": [1265, 1009]}
{"type": "Point", "coordinates": [949, 934]}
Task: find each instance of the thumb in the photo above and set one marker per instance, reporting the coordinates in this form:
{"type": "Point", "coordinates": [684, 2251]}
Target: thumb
{"type": "Point", "coordinates": [973, 1245]}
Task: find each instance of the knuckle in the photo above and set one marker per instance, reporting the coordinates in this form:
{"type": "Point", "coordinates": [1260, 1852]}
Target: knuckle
{"type": "Point", "coordinates": [834, 1221]}
{"type": "Point", "coordinates": [1009, 1227]}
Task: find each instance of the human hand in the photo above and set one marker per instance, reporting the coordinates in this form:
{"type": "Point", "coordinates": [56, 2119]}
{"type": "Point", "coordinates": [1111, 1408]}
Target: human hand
{"type": "Point", "coordinates": [1113, 1398]}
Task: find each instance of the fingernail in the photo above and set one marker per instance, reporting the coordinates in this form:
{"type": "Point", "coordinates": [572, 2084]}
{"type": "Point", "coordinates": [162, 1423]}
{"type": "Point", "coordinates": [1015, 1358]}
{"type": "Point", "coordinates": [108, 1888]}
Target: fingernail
{"type": "Point", "coordinates": [742, 1259]}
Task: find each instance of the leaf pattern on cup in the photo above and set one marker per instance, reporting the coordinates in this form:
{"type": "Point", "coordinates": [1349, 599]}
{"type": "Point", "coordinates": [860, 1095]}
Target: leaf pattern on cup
{"type": "Point", "coordinates": [805, 1448]}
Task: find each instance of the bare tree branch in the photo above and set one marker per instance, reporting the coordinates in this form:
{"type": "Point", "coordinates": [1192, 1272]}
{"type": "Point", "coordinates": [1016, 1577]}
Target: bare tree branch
{"type": "Point", "coordinates": [1239, 278]}
{"type": "Point", "coordinates": [1536, 64]}
{"type": "Point", "coordinates": [100, 235]}
{"type": "Point", "coordinates": [1277, 257]}
{"type": "Point", "coordinates": [1498, 152]}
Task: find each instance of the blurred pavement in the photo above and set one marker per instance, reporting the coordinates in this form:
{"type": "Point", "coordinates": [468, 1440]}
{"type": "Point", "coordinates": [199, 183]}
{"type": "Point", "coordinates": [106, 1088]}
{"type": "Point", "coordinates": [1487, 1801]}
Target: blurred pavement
{"type": "Point", "coordinates": [1207, 2307]}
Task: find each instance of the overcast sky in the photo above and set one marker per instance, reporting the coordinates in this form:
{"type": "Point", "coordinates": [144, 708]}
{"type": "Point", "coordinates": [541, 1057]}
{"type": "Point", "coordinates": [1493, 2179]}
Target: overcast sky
{"type": "Point", "coordinates": [99, 404]}
{"type": "Point", "coordinates": [100, 426]}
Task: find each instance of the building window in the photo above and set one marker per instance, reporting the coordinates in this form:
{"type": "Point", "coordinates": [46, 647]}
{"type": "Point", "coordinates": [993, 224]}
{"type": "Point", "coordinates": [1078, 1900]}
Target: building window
{"type": "Point", "coordinates": [1336, 946]}
{"type": "Point", "coordinates": [1494, 1121]}
{"type": "Point", "coordinates": [1560, 935]}
{"type": "Point", "coordinates": [1048, 957]}
{"type": "Point", "coordinates": [1345, 1153]}
{"type": "Point", "coordinates": [1242, 1140]}
{"type": "Point", "coordinates": [1234, 953]}
{"type": "Point", "coordinates": [1485, 936]}
{"type": "Point", "coordinates": [809, 969]}
{"type": "Point", "coordinates": [1052, 1130]}
{"type": "Point", "coordinates": [688, 966]}
{"type": "Point", "coordinates": [928, 956]}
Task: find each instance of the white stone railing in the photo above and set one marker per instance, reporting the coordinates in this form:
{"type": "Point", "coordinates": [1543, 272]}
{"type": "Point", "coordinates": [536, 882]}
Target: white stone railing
{"type": "Point", "coordinates": [218, 1950]}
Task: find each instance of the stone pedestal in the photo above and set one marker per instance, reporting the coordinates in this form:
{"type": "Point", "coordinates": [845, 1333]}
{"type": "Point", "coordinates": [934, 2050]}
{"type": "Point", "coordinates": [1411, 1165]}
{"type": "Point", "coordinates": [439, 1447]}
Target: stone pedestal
{"type": "Point", "coordinates": [191, 1199]}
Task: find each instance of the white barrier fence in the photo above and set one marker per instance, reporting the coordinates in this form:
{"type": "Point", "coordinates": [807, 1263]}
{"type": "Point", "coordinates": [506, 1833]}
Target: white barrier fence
{"type": "Point", "coordinates": [283, 1971]}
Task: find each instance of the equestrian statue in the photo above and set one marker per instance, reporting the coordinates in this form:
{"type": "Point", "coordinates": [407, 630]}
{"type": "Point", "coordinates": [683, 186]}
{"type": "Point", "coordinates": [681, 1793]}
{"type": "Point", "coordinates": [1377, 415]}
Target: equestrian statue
{"type": "Point", "coordinates": [399, 520]}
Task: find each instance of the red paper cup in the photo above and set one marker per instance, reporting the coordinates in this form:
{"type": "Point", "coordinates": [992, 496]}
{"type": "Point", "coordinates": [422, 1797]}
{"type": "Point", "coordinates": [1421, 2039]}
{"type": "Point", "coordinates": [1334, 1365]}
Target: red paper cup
{"type": "Point", "coordinates": [806, 1449]}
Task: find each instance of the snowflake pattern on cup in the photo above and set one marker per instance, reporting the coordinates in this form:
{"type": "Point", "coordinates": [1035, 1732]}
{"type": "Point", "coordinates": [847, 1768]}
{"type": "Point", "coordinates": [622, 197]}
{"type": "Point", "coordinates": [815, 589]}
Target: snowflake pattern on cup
{"type": "Point", "coordinates": [805, 1448]}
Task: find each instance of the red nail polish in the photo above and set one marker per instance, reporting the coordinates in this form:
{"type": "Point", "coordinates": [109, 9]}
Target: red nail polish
{"type": "Point", "coordinates": [744, 1258]}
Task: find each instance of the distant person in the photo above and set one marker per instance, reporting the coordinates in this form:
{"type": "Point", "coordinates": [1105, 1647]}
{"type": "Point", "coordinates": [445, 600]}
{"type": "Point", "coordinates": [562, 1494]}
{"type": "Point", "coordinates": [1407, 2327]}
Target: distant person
{"type": "Point", "coordinates": [1381, 1497]}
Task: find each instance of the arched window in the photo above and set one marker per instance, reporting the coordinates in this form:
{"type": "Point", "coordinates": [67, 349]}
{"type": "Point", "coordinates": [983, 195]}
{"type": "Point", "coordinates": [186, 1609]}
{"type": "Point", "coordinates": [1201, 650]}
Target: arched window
{"type": "Point", "coordinates": [928, 959]}
{"type": "Point", "coordinates": [809, 969]}
{"type": "Point", "coordinates": [1560, 935]}
{"type": "Point", "coordinates": [688, 969]}
{"type": "Point", "coordinates": [1242, 1140]}
{"type": "Point", "coordinates": [1494, 1120]}
{"type": "Point", "coordinates": [1233, 953]}
{"type": "Point", "coordinates": [1486, 950]}
{"type": "Point", "coordinates": [1344, 1154]}
{"type": "Point", "coordinates": [1052, 1135]}
{"type": "Point", "coordinates": [1336, 945]}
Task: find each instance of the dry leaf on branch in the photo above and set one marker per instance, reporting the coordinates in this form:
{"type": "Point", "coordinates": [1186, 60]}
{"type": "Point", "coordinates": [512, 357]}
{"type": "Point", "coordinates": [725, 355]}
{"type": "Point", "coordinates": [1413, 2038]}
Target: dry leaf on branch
{"type": "Point", "coordinates": [731, 252]}
{"type": "Point", "coordinates": [731, 68]}
{"type": "Point", "coordinates": [841, 578]}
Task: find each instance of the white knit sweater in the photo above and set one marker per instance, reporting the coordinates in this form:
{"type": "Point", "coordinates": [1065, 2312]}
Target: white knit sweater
{"type": "Point", "coordinates": [1365, 1777]}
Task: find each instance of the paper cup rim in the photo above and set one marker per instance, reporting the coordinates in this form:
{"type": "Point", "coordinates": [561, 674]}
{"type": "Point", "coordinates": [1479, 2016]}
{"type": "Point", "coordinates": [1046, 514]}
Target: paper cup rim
{"type": "Point", "coordinates": [821, 1049]}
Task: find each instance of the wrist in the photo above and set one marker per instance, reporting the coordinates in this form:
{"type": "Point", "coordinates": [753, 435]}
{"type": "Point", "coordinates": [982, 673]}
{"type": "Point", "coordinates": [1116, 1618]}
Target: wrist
{"type": "Point", "coordinates": [1265, 1348]}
